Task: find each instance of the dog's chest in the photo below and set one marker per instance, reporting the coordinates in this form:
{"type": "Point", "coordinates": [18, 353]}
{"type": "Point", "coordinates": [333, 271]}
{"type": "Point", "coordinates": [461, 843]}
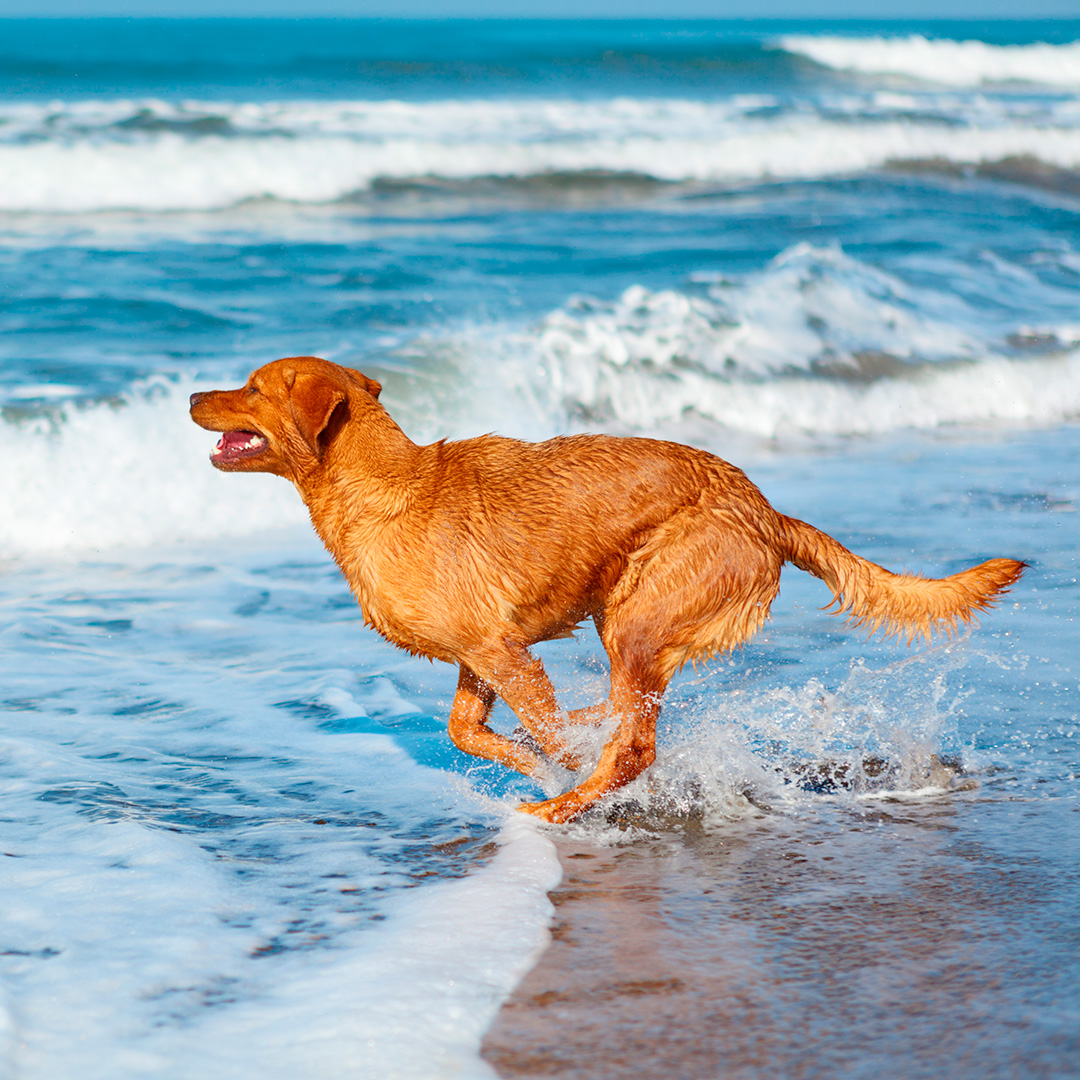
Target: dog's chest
{"type": "Point", "coordinates": [394, 585]}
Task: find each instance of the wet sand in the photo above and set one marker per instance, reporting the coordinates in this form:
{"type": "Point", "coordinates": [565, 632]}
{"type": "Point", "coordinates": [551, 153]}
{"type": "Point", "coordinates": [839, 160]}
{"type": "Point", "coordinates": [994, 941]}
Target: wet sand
{"type": "Point", "coordinates": [882, 940]}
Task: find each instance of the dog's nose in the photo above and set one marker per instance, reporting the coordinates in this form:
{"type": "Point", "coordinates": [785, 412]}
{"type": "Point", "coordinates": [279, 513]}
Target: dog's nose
{"type": "Point", "coordinates": [197, 397]}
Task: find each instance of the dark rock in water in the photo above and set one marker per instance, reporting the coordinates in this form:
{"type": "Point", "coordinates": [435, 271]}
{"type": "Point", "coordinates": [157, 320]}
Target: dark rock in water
{"type": "Point", "coordinates": [875, 773]}
{"type": "Point", "coordinates": [673, 807]}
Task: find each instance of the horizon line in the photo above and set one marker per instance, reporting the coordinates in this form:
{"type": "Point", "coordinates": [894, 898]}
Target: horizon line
{"type": "Point", "coordinates": [1044, 17]}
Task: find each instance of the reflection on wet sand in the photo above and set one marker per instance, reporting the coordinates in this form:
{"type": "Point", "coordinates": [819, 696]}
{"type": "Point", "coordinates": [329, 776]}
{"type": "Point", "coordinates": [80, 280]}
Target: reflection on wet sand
{"type": "Point", "coordinates": [880, 940]}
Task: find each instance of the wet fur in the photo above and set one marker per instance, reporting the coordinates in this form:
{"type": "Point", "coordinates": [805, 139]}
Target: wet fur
{"type": "Point", "coordinates": [473, 551]}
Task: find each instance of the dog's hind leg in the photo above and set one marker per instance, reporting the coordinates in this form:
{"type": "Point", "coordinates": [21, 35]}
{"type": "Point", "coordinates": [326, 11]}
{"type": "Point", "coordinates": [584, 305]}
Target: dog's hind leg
{"type": "Point", "coordinates": [469, 731]}
{"type": "Point", "coordinates": [701, 585]}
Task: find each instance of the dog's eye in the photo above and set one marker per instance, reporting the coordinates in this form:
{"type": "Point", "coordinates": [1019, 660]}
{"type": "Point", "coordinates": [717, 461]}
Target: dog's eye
{"type": "Point", "coordinates": [252, 390]}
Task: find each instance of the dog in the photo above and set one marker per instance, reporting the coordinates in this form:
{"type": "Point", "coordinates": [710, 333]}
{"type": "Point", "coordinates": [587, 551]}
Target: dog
{"type": "Point", "coordinates": [473, 551]}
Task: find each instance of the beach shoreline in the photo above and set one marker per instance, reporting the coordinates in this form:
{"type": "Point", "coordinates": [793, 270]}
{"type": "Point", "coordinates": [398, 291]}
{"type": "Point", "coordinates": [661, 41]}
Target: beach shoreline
{"type": "Point", "coordinates": [878, 935]}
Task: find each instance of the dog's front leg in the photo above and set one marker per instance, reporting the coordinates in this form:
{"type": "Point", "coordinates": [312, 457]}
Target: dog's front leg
{"type": "Point", "coordinates": [468, 728]}
{"type": "Point", "coordinates": [520, 680]}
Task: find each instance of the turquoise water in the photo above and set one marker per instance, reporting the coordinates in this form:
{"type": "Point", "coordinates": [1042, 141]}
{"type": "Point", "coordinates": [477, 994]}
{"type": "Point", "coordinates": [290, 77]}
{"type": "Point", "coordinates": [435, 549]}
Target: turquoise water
{"type": "Point", "coordinates": [844, 256]}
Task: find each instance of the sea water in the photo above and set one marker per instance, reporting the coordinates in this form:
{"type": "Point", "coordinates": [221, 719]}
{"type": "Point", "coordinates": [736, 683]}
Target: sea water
{"type": "Point", "coordinates": [235, 838]}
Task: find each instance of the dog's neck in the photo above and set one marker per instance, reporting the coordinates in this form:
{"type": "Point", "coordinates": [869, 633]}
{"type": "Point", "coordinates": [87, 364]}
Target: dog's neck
{"type": "Point", "coordinates": [368, 475]}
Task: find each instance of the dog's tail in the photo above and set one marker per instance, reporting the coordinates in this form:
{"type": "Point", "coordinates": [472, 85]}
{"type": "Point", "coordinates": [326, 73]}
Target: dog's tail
{"type": "Point", "coordinates": [897, 605]}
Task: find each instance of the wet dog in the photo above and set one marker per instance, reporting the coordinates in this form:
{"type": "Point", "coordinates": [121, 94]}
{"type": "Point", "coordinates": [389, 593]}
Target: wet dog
{"type": "Point", "coordinates": [473, 551]}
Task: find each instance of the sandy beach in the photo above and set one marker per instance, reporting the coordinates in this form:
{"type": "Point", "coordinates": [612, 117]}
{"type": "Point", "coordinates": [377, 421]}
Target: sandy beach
{"type": "Point", "coordinates": [875, 940]}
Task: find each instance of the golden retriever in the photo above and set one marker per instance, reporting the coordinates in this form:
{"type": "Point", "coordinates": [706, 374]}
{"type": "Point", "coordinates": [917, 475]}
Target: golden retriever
{"type": "Point", "coordinates": [472, 551]}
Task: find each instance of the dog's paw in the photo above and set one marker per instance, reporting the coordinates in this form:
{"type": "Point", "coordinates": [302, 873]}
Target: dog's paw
{"type": "Point", "coordinates": [555, 811]}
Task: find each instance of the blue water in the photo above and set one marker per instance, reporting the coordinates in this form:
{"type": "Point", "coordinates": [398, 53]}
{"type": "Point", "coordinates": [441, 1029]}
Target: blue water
{"type": "Point", "coordinates": [845, 256]}
{"type": "Point", "coordinates": [260, 59]}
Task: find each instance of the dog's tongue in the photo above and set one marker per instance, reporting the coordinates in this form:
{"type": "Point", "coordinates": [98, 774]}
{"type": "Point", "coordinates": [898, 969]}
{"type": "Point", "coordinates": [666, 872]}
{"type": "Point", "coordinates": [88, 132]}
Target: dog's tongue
{"type": "Point", "coordinates": [238, 442]}
{"type": "Point", "coordinates": [233, 440]}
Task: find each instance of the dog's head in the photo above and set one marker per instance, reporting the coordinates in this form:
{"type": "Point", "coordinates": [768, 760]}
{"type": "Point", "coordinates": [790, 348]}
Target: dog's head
{"type": "Point", "coordinates": [284, 419]}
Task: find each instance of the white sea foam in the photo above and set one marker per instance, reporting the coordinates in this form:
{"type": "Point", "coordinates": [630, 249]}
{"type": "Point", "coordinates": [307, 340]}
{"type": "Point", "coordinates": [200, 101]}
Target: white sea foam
{"type": "Point", "coordinates": [952, 63]}
{"type": "Point", "coordinates": [305, 152]}
{"type": "Point", "coordinates": [415, 1004]}
{"type": "Point", "coordinates": [807, 305]}
{"type": "Point", "coordinates": [135, 473]}
{"type": "Point", "coordinates": [994, 389]}
{"type": "Point", "coordinates": [202, 879]}
{"type": "Point", "coordinates": [815, 344]}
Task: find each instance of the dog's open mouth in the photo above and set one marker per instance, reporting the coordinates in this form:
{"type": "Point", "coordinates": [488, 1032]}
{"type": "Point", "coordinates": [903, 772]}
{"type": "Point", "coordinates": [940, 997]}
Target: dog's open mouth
{"type": "Point", "coordinates": [236, 445]}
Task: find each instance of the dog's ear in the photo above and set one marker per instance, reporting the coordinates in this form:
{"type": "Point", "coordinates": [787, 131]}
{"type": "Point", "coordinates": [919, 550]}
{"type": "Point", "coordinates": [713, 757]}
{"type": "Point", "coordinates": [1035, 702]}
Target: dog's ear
{"type": "Point", "coordinates": [370, 385]}
{"type": "Point", "coordinates": [319, 407]}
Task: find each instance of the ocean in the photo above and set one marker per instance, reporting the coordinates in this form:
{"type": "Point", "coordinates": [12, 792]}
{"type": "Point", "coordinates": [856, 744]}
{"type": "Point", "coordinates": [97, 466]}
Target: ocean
{"type": "Point", "coordinates": [236, 840]}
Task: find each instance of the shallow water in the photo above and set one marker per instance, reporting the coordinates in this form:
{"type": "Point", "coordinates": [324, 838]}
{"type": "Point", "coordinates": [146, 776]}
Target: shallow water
{"type": "Point", "coordinates": [236, 836]}
{"type": "Point", "coordinates": [829, 941]}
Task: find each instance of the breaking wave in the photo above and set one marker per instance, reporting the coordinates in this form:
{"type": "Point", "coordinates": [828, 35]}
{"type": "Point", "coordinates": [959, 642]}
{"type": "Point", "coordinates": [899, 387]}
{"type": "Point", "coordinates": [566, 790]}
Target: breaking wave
{"type": "Point", "coordinates": [814, 345]}
{"type": "Point", "coordinates": [156, 156]}
{"type": "Point", "coordinates": [945, 62]}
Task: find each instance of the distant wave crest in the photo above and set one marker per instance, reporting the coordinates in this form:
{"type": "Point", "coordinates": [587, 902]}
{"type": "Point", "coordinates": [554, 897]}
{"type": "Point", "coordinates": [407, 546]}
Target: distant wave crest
{"type": "Point", "coordinates": [156, 156]}
{"type": "Point", "coordinates": [946, 62]}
